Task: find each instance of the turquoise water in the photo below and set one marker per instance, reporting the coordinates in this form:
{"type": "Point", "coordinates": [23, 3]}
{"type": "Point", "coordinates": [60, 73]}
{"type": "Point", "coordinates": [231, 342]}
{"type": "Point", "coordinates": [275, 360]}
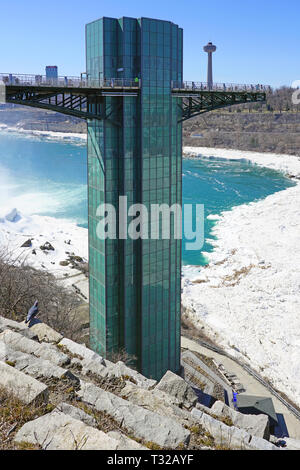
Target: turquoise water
{"type": "Point", "coordinates": [42, 177]}
{"type": "Point", "coordinates": [222, 184]}
{"type": "Point", "coordinates": [49, 178]}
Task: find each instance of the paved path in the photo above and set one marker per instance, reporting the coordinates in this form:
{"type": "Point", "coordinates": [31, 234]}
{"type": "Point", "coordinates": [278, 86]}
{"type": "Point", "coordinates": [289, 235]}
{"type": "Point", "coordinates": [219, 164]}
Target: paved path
{"type": "Point", "coordinates": [252, 386]}
{"type": "Point", "coordinates": [79, 283]}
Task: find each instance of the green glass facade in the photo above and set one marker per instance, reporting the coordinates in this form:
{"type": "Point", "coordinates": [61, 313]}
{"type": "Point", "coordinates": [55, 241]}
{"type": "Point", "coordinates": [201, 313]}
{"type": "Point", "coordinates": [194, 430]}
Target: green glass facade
{"type": "Point", "coordinates": [135, 288]}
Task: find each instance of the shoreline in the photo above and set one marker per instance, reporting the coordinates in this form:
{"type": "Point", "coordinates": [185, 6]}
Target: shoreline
{"type": "Point", "coordinates": [279, 162]}
{"type": "Point", "coordinates": [68, 137]}
{"type": "Point", "coordinates": [289, 165]}
{"type": "Point", "coordinates": [247, 298]}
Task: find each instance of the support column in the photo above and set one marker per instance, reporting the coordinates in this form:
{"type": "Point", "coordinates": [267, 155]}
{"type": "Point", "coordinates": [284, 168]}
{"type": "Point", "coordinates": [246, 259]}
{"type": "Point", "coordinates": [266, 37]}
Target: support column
{"type": "Point", "coordinates": [135, 285]}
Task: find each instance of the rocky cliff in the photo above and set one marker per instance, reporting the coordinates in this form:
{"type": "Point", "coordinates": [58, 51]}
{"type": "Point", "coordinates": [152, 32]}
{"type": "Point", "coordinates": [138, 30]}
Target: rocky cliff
{"type": "Point", "coordinates": [58, 394]}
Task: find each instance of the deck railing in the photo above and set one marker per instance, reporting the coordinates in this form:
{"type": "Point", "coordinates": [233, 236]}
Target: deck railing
{"type": "Point", "coordinates": [68, 82]}
{"type": "Point", "coordinates": [87, 82]}
{"type": "Point", "coordinates": [204, 86]}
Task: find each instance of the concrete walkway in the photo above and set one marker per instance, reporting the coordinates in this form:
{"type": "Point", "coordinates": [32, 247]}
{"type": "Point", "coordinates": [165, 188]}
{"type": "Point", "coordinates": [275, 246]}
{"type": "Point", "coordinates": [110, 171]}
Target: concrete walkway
{"type": "Point", "coordinates": [252, 386]}
{"type": "Point", "coordinates": [79, 283]}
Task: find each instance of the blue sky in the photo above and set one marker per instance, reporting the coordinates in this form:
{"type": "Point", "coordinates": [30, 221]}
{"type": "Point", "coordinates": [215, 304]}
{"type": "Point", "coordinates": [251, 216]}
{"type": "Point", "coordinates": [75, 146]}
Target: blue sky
{"type": "Point", "coordinates": [258, 41]}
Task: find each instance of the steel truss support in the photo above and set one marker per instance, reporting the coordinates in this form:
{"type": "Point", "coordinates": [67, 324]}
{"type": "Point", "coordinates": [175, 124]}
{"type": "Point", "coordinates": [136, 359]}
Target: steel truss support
{"type": "Point", "coordinates": [83, 104]}
{"type": "Point", "coordinates": [194, 104]}
{"type": "Point", "coordinates": [88, 103]}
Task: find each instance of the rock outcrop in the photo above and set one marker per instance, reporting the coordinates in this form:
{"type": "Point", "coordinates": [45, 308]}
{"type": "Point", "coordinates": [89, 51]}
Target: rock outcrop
{"type": "Point", "coordinates": [158, 402]}
{"type": "Point", "coordinates": [22, 328]}
{"type": "Point", "coordinates": [45, 333]}
{"type": "Point", "coordinates": [256, 425]}
{"type": "Point", "coordinates": [22, 386]}
{"type": "Point", "coordinates": [79, 400]}
{"type": "Point", "coordinates": [77, 413]}
{"type": "Point", "coordinates": [142, 423]}
{"type": "Point", "coordinates": [178, 388]}
{"type": "Point", "coordinates": [33, 366]}
{"type": "Point", "coordinates": [58, 431]}
{"type": "Point", "coordinates": [80, 351]}
{"type": "Point", "coordinates": [121, 370]}
{"type": "Point", "coordinates": [41, 350]}
{"type": "Point", "coordinates": [231, 437]}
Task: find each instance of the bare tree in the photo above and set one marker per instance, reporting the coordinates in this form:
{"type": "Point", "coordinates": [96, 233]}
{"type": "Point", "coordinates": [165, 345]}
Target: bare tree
{"type": "Point", "coordinates": [21, 285]}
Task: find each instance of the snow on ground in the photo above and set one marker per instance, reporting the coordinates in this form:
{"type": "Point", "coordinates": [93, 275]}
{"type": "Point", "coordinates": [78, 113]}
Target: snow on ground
{"type": "Point", "coordinates": [16, 227]}
{"type": "Point", "coordinates": [75, 138]}
{"type": "Point", "coordinates": [64, 236]}
{"type": "Point", "coordinates": [288, 164]}
{"type": "Point", "coordinates": [248, 298]}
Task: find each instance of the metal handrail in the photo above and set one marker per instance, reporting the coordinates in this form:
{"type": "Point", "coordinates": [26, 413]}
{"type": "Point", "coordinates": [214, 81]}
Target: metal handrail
{"type": "Point", "coordinates": [204, 86]}
{"type": "Point", "coordinates": [68, 82]}
{"type": "Point", "coordinates": [81, 82]}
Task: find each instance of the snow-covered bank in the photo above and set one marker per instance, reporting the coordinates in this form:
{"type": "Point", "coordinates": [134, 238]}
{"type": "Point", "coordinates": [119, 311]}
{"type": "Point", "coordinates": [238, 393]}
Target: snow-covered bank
{"type": "Point", "coordinates": [248, 298]}
{"type": "Point", "coordinates": [287, 164]}
{"type": "Point", "coordinates": [17, 226]}
{"type": "Point", "coordinates": [65, 237]}
{"type": "Point", "coordinates": [69, 137]}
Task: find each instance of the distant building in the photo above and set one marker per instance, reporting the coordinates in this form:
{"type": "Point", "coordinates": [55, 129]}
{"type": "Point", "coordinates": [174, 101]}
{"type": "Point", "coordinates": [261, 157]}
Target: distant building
{"type": "Point", "coordinates": [51, 72]}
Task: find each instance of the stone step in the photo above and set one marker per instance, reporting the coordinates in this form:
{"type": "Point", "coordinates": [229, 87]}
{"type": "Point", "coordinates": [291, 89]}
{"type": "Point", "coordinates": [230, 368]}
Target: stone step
{"type": "Point", "coordinates": [122, 370]}
{"type": "Point", "coordinates": [6, 324]}
{"type": "Point", "coordinates": [256, 425]}
{"type": "Point", "coordinates": [58, 431]}
{"type": "Point", "coordinates": [231, 437]}
{"type": "Point", "coordinates": [34, 366]}
{"type": "Point", "coordinates": [77, 413]}
{"type": "Point", "coordinates": [142, 423]}
{"type": "Point", "coordinates": [95, 364]}
{"type": "Point", "coordinates": [22, 386]}
{"type": "Point", "coordinates": [177, 387]}
{"type": "Point", "coordinates": [45, 333]}
{"type": "Point", "coordinates": [124, 442]}
{"type": "Point", "coordinates": [80, 350]}
{"type": "Point", "coordinates": [157, 401]}
{"type": "Point", "coordinates": [43, 350]}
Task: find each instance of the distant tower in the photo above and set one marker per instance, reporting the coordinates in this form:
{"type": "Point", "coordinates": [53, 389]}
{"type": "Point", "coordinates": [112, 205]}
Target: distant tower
{"type": "Point", "coordinates": [210, 48]}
